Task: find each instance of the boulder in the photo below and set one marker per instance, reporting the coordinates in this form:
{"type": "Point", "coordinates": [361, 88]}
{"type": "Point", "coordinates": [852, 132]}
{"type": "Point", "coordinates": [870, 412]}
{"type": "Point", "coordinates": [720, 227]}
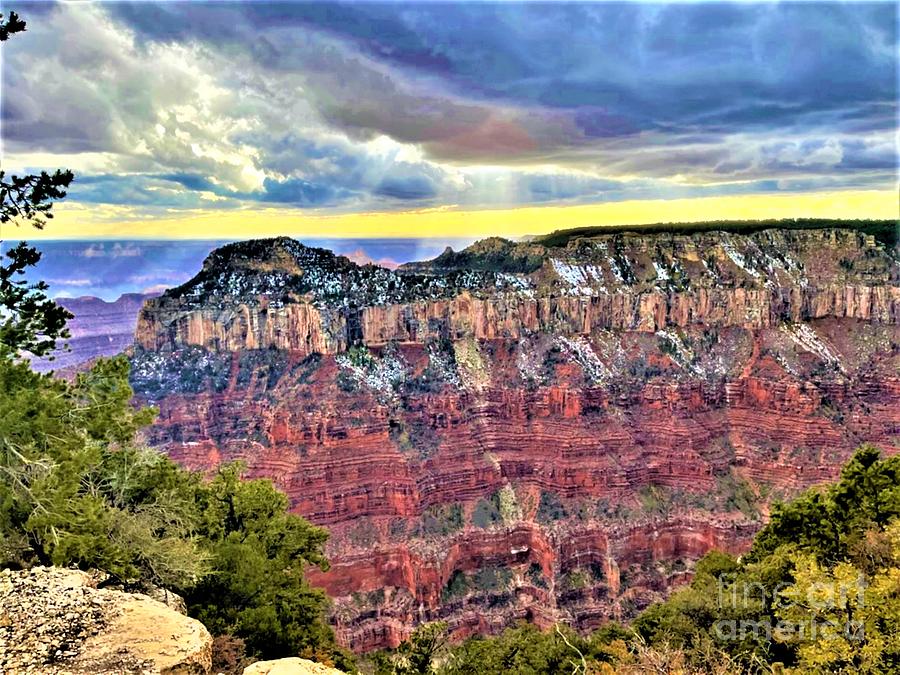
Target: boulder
{"type": "Point", "coordinates": [57, 621]}
{"type": "Point", "coordinates": [290, 666]}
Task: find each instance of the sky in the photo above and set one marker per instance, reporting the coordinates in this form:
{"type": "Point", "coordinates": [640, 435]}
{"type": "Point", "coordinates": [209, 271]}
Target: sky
{"type": "Point", "coordinates": [224, 120]}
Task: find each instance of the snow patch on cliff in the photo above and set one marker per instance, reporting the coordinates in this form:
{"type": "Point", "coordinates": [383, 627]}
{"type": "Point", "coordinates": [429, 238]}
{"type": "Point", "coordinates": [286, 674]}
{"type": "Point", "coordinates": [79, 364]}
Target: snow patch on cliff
{"type": "Point", "coordinates": [783, 362]}
{"type": "Point", "coordinates": [662, 274]}
{"type": "Point", "coordinates": [579, 350]}
{"type": "Point", "coordinates": [609, 346]}
{"type": "Point", "coordinates": [443, 364]}
{"type": "Point", "coordinates": [792, 268]}
{"type": "Point", "coordinates": [738, 259]}
{"type": "Point", "coordinates": [579, 279]}
{"type": "Point", "coordinates": [807, 339]}
{"type": "Point", "coordinates": [618, 264]}
{"type": "Point", "coordinates": [381, 375]}
{"type": "Point", "coordinates": [516, 283]}
{"type": "Point", "coordinates": [680, 352]}
{"type": "Point", "coordinates": [528, 365]}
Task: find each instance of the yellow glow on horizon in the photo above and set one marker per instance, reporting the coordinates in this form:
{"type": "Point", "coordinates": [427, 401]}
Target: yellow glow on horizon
{"type": "Point", "coordinates": [78, 221]}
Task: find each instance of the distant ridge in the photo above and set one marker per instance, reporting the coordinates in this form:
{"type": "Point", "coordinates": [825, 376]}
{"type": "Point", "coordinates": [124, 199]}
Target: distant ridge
{"type": "Point", "coordinates": [100, 328]}
{"type": "Point", "coordinates": [885, 231]}
{"type": "Point", "coordinates": [526, 254]}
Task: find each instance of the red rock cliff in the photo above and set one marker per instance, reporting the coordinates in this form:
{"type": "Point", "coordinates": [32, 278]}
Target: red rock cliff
{"type": "Point", "coordinates": [558, 443]}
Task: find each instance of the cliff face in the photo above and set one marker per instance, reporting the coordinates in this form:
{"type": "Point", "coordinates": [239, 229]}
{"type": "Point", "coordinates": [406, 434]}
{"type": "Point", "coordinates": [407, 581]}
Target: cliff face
{"type": "Point", "coordinates": [516, 431]}
{"type": "Point", "coordinates": [285, 296]}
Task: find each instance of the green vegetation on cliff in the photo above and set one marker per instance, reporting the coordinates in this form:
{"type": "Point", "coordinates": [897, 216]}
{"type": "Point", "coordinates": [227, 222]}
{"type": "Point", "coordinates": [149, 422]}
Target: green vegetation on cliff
{"type": "Point", "coordinates": [77, 489]}
{"type": "Point", "coordinates": [885, 231]}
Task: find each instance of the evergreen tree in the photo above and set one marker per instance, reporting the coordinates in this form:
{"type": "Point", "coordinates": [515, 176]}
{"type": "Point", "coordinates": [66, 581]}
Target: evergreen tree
{"type": "Point", "coordinates": [258, 553]}
{"type": "Point", "coordinates": [30, 322]}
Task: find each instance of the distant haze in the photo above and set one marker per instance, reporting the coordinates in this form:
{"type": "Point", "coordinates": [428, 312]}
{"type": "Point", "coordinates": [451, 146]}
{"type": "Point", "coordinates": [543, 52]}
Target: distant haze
{"type": "Point", "coordinates": [108, 269]}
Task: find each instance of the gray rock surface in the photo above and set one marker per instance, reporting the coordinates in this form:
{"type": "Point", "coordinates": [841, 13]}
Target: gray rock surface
{"type": "Point", "coordinates": [56, 621]}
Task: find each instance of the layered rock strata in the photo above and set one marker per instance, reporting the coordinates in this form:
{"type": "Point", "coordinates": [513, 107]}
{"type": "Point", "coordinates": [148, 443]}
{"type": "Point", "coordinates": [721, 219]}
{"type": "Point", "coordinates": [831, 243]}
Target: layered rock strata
{"type": "Point", "coordinates": [538, 433]}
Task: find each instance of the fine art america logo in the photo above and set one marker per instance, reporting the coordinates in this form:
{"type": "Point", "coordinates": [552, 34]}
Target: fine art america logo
{"type": "Point", "coordinates": [820, 611]}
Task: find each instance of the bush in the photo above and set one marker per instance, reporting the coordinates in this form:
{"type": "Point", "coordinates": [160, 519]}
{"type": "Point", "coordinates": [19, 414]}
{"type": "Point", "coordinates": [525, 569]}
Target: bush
{"type": "Point", "coordinates": [491, 578]}
{"type": "Point", "coordinates": [457, 586]}
{"type": "Point", "coordinates": [550, 508]}
{"type": "Point", "coordinates": [487, 512]}
{"type": "Point", "coordinates": [656, 500]}
{"type": "Point", "coordinates": [229, 655]}
{"type": "Point", "coordinates": [442, 520]}
{"type": "Point", "coordinates": [535, 575]}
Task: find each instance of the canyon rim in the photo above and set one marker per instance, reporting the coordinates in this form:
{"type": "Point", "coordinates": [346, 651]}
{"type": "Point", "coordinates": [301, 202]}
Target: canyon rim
{"type": "Point", "coordinates": [552, 430]}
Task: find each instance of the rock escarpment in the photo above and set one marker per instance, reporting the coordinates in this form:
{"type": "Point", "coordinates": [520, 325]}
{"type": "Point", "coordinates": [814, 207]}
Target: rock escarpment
{"type": "Point", "coordinates": [281, 294]}
{"type": "Point", "coordinates": [520, 431]}
{"type": "Point", "coordinates": [290, 666]}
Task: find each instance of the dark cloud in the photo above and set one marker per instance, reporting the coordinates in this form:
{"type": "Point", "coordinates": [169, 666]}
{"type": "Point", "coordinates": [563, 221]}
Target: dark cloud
{"type": "Point", "coordinates": [315, 105]}
{"type": "Point", "coordinates": [144, 190]}
{"type": "Point", "coordinates": [411, 187]}
{"type": "Point", "coordinates": [644, 66]}
{"type": "Point", "coordinates": [299, 192]}
{"type": "Point", "coordinates": [192, 182]}
{"type": "Point", "coordinates": [858, 154]}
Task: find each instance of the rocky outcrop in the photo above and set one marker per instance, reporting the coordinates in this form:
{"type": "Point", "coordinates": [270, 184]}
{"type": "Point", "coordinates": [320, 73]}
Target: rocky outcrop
{"type": "Point", "coordinates": [527, 432]}
{"type": "Point", "coordinates": [56, 620]}
{"type": "Point", "coordinates": [481, 581]}
{"type": "Point", "coordinates": [248, 297]}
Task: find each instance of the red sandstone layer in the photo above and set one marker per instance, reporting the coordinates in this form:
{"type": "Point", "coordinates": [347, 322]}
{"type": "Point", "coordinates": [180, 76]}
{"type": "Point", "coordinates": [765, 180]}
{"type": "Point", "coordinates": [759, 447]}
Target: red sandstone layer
{"type": "Point", "coordinates": [565, 452]}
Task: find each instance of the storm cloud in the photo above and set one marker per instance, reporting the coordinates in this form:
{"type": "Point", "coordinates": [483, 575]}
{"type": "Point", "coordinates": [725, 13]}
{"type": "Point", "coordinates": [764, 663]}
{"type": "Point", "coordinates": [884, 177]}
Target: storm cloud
{"type": "Point", "coordinates": [211, 105]}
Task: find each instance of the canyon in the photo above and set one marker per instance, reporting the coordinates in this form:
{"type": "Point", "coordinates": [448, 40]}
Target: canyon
{"type": "Point", "coordinates": [534, 430]}
{"type": "Point", "coordinates": [97, 327]}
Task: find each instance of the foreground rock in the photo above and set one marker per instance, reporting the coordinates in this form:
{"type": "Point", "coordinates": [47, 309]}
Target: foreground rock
{"type": "Point", "coordinates": [291, 666]}
{"type": "Point", "coordinates": [57, 621]}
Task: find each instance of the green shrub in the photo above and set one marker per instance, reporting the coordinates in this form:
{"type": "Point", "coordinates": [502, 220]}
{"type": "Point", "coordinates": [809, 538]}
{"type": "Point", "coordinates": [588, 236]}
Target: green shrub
{"type": "Point", "coordinates": [457, 586]}
{"type": "Point", "coordinates": [550, 508]}
{"type": "Point", "coordinates": [491, 578]}
{"type": "Point", "coordinates": [535, 575]}
{"type": "Point", "coordinates": [441, 520]}
{"type": "Point", "coordinates": [656, 500]}
{"type": "Point", "coordinates": [487, 512]}
{"type": "Point", "coordinates": [738, 495]}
